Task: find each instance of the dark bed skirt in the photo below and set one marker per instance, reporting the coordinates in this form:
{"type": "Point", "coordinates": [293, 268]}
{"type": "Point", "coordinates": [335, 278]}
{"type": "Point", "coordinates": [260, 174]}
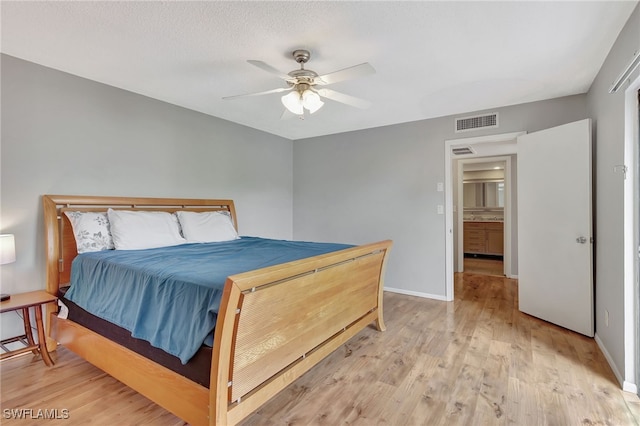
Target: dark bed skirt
{"type": "Point", "coordinates": [197, 369]}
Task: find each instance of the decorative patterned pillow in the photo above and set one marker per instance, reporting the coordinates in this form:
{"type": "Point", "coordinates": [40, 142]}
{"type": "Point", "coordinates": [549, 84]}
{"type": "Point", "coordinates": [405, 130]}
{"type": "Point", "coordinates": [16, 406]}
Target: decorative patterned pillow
{"type": "Point", "coordinates": [91, 230]}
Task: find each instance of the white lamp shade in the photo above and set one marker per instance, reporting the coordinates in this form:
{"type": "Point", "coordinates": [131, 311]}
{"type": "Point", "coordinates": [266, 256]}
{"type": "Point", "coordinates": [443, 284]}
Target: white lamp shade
{"type": "Point", "coordinates": [293, 102]}
{"type": "Point", "coordinates": [311, 101]}
{"type": "Point", "coordinates": [7, 249]}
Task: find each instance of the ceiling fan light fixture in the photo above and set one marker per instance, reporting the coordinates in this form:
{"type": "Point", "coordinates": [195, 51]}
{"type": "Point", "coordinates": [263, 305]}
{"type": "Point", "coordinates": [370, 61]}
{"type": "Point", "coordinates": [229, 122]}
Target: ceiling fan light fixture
{"type": "Point", "coordinates": [301, 85]}
{"type": "Point", "coordinates": [296, 101]}
{"type": "Point", "coordinates": [311, 101]}
{"type": "Point", "coordinates": [293, 102]}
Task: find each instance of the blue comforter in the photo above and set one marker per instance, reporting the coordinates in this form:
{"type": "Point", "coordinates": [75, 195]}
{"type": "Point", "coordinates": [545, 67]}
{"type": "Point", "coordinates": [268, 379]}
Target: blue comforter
{"type": "Point", "coordinates": [170, 296]}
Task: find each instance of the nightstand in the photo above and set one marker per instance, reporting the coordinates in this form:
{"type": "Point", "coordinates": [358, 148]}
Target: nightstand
{"type": "Point", "coordinates": [24, 301]}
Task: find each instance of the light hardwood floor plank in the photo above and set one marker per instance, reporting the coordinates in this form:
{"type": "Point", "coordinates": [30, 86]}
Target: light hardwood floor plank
{"type": "Point", "coordinates": [474, 361]}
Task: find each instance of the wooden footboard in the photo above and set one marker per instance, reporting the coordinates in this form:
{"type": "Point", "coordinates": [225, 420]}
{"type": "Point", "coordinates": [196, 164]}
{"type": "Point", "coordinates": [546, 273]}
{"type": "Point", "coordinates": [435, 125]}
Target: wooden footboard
{"type": "Point", "coordinates": [274, 324]}
{"type": "Point", "coordinates": [278, 322]}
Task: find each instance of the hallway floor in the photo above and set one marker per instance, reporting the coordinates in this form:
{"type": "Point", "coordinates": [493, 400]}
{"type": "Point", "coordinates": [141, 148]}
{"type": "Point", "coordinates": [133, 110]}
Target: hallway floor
{"type": "Point", "coordinates": [473, 265]}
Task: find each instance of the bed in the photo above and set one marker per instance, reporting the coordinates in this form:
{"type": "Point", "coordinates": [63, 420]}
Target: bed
{"type": "Point", "coordinates": [308, 307]}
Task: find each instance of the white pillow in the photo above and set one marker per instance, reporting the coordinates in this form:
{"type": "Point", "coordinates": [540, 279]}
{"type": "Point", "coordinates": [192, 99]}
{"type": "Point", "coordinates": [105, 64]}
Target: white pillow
{"type": "Point", "coordinates": [135, 230]}
{"type": "Point", "coordinates": [91, 230]}
{"type": "Point", "coordinates": [207, 227]}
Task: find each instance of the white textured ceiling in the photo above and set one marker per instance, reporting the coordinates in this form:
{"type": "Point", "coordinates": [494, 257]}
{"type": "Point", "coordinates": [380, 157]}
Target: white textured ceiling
{"type": "Point", "coordinates": [431, 58]}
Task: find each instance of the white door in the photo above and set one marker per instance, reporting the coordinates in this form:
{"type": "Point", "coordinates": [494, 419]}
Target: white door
{"type": "Point", "coordinates": [555, 274]}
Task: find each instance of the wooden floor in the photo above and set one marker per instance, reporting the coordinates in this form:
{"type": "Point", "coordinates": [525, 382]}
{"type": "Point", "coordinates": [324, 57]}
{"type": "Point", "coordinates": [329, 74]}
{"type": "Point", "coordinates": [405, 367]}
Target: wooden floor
{"type": "Point", "coordinates": [484, 266]}
{"type": "Point", "coordinates": [475, 361]}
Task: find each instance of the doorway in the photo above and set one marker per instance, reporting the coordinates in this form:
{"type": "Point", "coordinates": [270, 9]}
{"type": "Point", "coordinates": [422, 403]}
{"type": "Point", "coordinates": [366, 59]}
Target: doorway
{"type": "Point", "coordinates": [475, 149]}
{"type": "Point", "coordinates": [483, 234]}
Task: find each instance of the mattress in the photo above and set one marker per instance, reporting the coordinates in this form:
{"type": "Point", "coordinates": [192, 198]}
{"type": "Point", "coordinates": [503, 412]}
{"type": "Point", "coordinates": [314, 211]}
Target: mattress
{"type": "Point", "coordinates": [197, 369]}
{"type": "Point", "coordinates": [170, 296]}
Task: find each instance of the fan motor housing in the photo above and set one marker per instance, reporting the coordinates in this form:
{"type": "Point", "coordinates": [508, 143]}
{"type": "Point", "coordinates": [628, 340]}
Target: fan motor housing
{"type": "Point", "coordinates": [303, 74]}
{"type": "Point", "coordinates": [301, 56]}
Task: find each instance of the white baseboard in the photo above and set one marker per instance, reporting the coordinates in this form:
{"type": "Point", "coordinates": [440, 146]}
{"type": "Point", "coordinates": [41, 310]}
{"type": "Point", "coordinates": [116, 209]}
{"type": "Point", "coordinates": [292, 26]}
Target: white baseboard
{"type": "Point", "coordinates": [513, 277]}
{"type": "Point", "coordinates": [416, 293]}
{"type": "Point", "coordinates": [613, 366]}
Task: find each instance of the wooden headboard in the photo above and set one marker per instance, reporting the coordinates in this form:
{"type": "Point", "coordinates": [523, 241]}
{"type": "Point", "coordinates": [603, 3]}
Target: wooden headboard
{"type": "Point", "coordinates": [61, 244]}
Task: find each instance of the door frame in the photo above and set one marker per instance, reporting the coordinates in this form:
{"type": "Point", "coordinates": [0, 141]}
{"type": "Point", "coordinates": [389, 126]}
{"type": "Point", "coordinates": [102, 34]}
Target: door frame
{"type": "Point", "coordinates": [631, 239]}
{"type": "Point", "coordinates": [485, 146]}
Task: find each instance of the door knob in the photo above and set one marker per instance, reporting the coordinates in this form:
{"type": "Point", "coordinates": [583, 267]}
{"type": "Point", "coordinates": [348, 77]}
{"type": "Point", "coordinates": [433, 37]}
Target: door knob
{"type": "Point", "coordinates": [581, 240]}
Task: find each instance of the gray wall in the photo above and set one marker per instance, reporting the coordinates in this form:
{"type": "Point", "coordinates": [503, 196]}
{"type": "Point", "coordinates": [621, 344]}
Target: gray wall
{"type": "Point", "coordinates": [66, 135]}
{"type": "Point", "coordinates": [381, 183]}
{"type": "Point", "coordinates": [608, 113]}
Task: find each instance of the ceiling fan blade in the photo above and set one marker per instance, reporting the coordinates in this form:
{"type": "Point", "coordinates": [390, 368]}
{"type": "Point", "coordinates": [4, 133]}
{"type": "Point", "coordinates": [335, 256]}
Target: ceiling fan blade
{"type": "Point", "coordinates": [266, 92]}
{"type": "Point", "coordinates": [343, 98]}
{"type": "Point", "coordinates": [268, 68]}
{"type": "Point", "coordinates": [346, 74]}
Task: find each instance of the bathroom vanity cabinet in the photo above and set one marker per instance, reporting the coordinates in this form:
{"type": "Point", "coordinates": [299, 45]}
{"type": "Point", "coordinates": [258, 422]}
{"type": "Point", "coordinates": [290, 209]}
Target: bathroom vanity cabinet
{"type": "Point", "coordinates": [484, 237]}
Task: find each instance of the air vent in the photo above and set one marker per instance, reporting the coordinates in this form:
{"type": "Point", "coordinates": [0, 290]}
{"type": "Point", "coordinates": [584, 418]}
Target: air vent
{"type": "Point", "coordinates": [461, 150]}
{"type": "Point", "coordinates": [466, 124]}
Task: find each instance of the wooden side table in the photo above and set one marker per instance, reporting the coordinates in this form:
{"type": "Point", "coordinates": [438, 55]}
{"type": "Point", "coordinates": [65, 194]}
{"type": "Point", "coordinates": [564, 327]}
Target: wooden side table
{"type": "Point", "coordinates": [24, 301]}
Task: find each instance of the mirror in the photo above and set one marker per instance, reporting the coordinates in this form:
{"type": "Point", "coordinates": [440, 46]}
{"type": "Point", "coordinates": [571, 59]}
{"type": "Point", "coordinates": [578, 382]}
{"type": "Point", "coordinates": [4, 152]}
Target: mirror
{"type": "Point", "coordinates": [484, 194]}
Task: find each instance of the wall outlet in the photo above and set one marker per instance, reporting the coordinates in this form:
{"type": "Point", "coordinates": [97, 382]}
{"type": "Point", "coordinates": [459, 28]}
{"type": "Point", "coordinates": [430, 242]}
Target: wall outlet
{"type": "Point", "coordinates": [440, 187]}
{"type": "Point", "coordinates": [606, 318]}
{"type": "Point", "coordinates": [440, 209]}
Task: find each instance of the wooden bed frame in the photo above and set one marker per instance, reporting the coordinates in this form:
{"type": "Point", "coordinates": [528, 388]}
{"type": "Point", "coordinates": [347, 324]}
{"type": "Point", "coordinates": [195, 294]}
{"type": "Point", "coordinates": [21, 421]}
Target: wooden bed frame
{"type": "Point", "coordinates": [274, 323]}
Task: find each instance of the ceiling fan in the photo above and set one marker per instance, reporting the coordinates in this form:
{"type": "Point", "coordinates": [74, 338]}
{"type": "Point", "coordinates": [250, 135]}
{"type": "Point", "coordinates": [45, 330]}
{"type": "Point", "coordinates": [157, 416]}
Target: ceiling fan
{"type": "Point", "coordinates": [305, 86]}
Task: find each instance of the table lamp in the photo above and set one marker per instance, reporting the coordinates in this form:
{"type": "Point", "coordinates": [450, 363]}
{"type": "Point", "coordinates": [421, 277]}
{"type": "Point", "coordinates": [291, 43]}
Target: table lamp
{"type": "Point", "coordinates": [7, 255]}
